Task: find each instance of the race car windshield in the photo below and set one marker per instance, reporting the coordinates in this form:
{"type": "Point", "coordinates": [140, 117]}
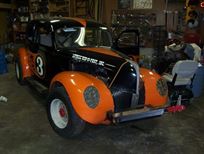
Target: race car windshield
{"type": "Point", "coordinates": [82, 37]}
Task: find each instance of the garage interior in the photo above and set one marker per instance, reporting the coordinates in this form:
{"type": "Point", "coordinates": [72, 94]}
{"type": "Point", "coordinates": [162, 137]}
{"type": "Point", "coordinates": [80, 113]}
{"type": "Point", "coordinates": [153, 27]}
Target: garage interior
{"type": "Point", "coordinates": [161, 26]}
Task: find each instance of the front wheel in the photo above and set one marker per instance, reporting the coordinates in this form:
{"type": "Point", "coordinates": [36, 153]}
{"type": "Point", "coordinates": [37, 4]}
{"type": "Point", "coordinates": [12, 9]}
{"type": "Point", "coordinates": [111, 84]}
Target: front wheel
{"type": "Point", "coordinates": [61, 114]}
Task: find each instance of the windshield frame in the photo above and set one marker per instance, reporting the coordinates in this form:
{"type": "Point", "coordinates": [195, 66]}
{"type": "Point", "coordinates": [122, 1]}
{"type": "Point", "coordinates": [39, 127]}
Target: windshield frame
{"type": "Point", "coordinates": [79, 42]}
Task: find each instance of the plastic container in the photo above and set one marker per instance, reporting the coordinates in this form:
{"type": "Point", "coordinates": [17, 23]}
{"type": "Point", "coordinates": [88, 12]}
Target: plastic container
{"type": "Point", "coordinates": [198, 82]}
{"type": "Point", "coordinates": [3, 64]}
{"type": "Point", "coordinates": [3, 99]}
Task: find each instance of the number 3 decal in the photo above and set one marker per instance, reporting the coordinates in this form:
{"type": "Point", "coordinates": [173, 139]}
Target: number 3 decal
{"type": "Point", "coordinates": [39, 66]}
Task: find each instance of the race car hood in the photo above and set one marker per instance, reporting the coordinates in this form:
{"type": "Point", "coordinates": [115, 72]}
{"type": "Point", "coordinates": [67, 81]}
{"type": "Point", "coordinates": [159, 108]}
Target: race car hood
{"type": "Point", "coordinates": [104, 57]}
{"type": "Point", "coordinates": [123, 74]}
{"type": "Point", "coordinates": [106, 51]}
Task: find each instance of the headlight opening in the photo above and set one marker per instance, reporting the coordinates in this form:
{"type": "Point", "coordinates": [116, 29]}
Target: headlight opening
{"type": "Point", "coordinates": [91, 96]}
{"type": "Point", "coordinates": [162, 87]}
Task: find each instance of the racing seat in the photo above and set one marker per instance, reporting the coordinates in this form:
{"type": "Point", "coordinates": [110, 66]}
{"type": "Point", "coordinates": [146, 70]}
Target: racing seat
{"type": "Point", "coordinates": [180, 81]}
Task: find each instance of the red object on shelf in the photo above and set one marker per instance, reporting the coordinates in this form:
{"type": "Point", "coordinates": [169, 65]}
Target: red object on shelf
{"type": "Point", "coordinates": [192, 38]}
{"type": "Point", "coordinates": [202, 4]}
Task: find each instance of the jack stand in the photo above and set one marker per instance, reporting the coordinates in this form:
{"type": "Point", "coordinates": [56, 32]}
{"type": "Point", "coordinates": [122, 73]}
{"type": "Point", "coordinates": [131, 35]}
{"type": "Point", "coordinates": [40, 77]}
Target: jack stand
{"type": "Point", "coordinates": [179, 100]}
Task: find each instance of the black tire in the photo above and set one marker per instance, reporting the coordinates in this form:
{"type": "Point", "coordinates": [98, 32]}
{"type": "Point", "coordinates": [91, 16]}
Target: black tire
{"type": "Point", "coordinates": [19, 73]}
{"type": "Point", "coordinates": [74, 125]}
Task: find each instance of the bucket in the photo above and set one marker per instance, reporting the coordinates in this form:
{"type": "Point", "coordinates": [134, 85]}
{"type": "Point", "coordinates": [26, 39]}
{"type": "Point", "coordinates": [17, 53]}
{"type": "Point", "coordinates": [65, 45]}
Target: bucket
{"type": "Point", "coordinates": [198, 82]}
{"type": "Point", "coordinates": [3, 64]}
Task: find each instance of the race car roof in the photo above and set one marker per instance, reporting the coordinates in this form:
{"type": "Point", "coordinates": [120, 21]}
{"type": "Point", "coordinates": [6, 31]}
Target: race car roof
{"type": "Point", "coordinates": [69, 22]}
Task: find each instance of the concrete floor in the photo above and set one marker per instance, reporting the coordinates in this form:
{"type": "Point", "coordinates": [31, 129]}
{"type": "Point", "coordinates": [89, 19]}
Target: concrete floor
{"type": "Point", "coordinates": [24, 129]}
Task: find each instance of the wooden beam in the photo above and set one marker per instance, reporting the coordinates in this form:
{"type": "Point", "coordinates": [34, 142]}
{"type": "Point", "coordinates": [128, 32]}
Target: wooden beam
{"type": "Point", "coordinates": [5, 6]}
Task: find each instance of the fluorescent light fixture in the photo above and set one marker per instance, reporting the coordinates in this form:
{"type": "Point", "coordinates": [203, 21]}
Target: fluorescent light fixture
{"type": "Point", "coordinates": [103, 28]}
{"type": "Point", "coordinates": [53, 21]}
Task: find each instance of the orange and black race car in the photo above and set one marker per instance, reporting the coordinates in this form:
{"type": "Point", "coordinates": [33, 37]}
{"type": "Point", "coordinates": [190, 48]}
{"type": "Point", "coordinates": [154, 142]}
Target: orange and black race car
{"type": "Point", "coordinates": [88, 81]}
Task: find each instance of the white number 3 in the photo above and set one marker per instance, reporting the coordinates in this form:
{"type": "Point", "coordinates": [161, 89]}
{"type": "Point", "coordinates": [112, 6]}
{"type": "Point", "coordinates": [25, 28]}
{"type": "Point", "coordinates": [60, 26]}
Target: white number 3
{"type": "Point", "coordinates": [39, 66]}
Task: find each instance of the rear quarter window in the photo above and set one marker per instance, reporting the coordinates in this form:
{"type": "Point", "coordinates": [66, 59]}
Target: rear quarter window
{"type": "Point", "coordinates": [45, 36]}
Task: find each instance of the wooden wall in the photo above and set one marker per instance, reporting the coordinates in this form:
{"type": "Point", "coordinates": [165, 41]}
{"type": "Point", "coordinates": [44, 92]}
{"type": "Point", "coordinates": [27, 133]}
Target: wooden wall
{"type": "Point", "coordinates": [201, 28]}
{"type": "Point", "coordinates": [3, 26]}
{"type": "Point", "coordinates": [158, 6]}
{"type": "Point", "coordinates": [106, 11]}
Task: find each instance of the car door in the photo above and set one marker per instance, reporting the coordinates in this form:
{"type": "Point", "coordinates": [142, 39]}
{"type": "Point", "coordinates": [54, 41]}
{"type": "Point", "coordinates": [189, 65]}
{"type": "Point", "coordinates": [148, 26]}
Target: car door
{"type": "Point", "coordinates": [32, 45]}
{"type": "Point", "coordinates": [127, 42]}
{"type": "Point", "coordinates": [41, 50]}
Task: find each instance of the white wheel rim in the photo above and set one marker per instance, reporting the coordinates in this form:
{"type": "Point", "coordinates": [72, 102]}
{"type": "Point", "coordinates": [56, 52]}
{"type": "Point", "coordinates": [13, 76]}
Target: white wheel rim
{"type": "Point", "coordinates": [59, 113]}
{"type": "Point", "coordinates": [17, 71]}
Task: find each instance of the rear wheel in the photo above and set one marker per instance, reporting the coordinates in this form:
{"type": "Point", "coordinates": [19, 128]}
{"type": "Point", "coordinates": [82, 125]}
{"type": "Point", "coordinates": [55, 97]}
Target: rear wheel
{"type": "Point", "coordinates": [19, 72]}
{"type": "Point", "coordinates": [61, 114]}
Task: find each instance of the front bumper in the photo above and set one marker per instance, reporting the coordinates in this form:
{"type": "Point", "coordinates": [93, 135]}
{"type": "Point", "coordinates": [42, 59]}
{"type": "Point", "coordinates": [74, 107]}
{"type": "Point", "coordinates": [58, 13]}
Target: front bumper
{"type": "Point", "coordinates": [135, 114]}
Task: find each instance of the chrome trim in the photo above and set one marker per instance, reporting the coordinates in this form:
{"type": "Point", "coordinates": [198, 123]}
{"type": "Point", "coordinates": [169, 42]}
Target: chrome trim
{"type": "Point", "coordinates": [117, 73]}
{"type": "Point", "coordinates": [135, 97]}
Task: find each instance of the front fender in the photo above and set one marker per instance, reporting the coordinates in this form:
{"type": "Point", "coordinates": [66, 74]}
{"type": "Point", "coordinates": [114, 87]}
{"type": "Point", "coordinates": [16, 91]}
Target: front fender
{"type": "Point", "coordinates": [23, 58]}
{"type": "Point", "coordinates": [152, 96]}
{"type": "Point", "coordinates": [75, 83]}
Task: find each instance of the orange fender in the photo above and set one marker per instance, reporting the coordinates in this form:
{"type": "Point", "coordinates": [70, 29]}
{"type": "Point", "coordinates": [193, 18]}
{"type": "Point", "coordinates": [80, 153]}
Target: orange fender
{"type": "Point", "coordinates": [23, 58]}
{"type": "Point", "coordinates": [152, 95]}
{"type": "Point", "coordinates": [75, 83]}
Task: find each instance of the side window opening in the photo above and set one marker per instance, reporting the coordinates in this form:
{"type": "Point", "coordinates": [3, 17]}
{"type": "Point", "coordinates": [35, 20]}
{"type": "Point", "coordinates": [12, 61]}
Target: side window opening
{"type": "Point", "coordinates": [66, 37]}
{"type": "Point", "coordinates": [105, 39]}
{"type": "Point", "coordinates": [45, 37]}
{"type": "Point", "coordinates": [30, 31]}
{"type": "Point", "coordinates": [32, 37]}
{"type": "Point", "coordinates": [97, 37]}
{"type": "Point", "coordinates": [91, 37]}
{"type": "Point", "coordinates": [127, 39]}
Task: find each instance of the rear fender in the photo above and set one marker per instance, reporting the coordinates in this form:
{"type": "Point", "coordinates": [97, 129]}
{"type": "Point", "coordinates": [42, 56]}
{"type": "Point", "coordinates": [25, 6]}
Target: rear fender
{"type": "Point", "coordinates": [23, 59]}
{"type": "Point", "coordinates": [75, 83]}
